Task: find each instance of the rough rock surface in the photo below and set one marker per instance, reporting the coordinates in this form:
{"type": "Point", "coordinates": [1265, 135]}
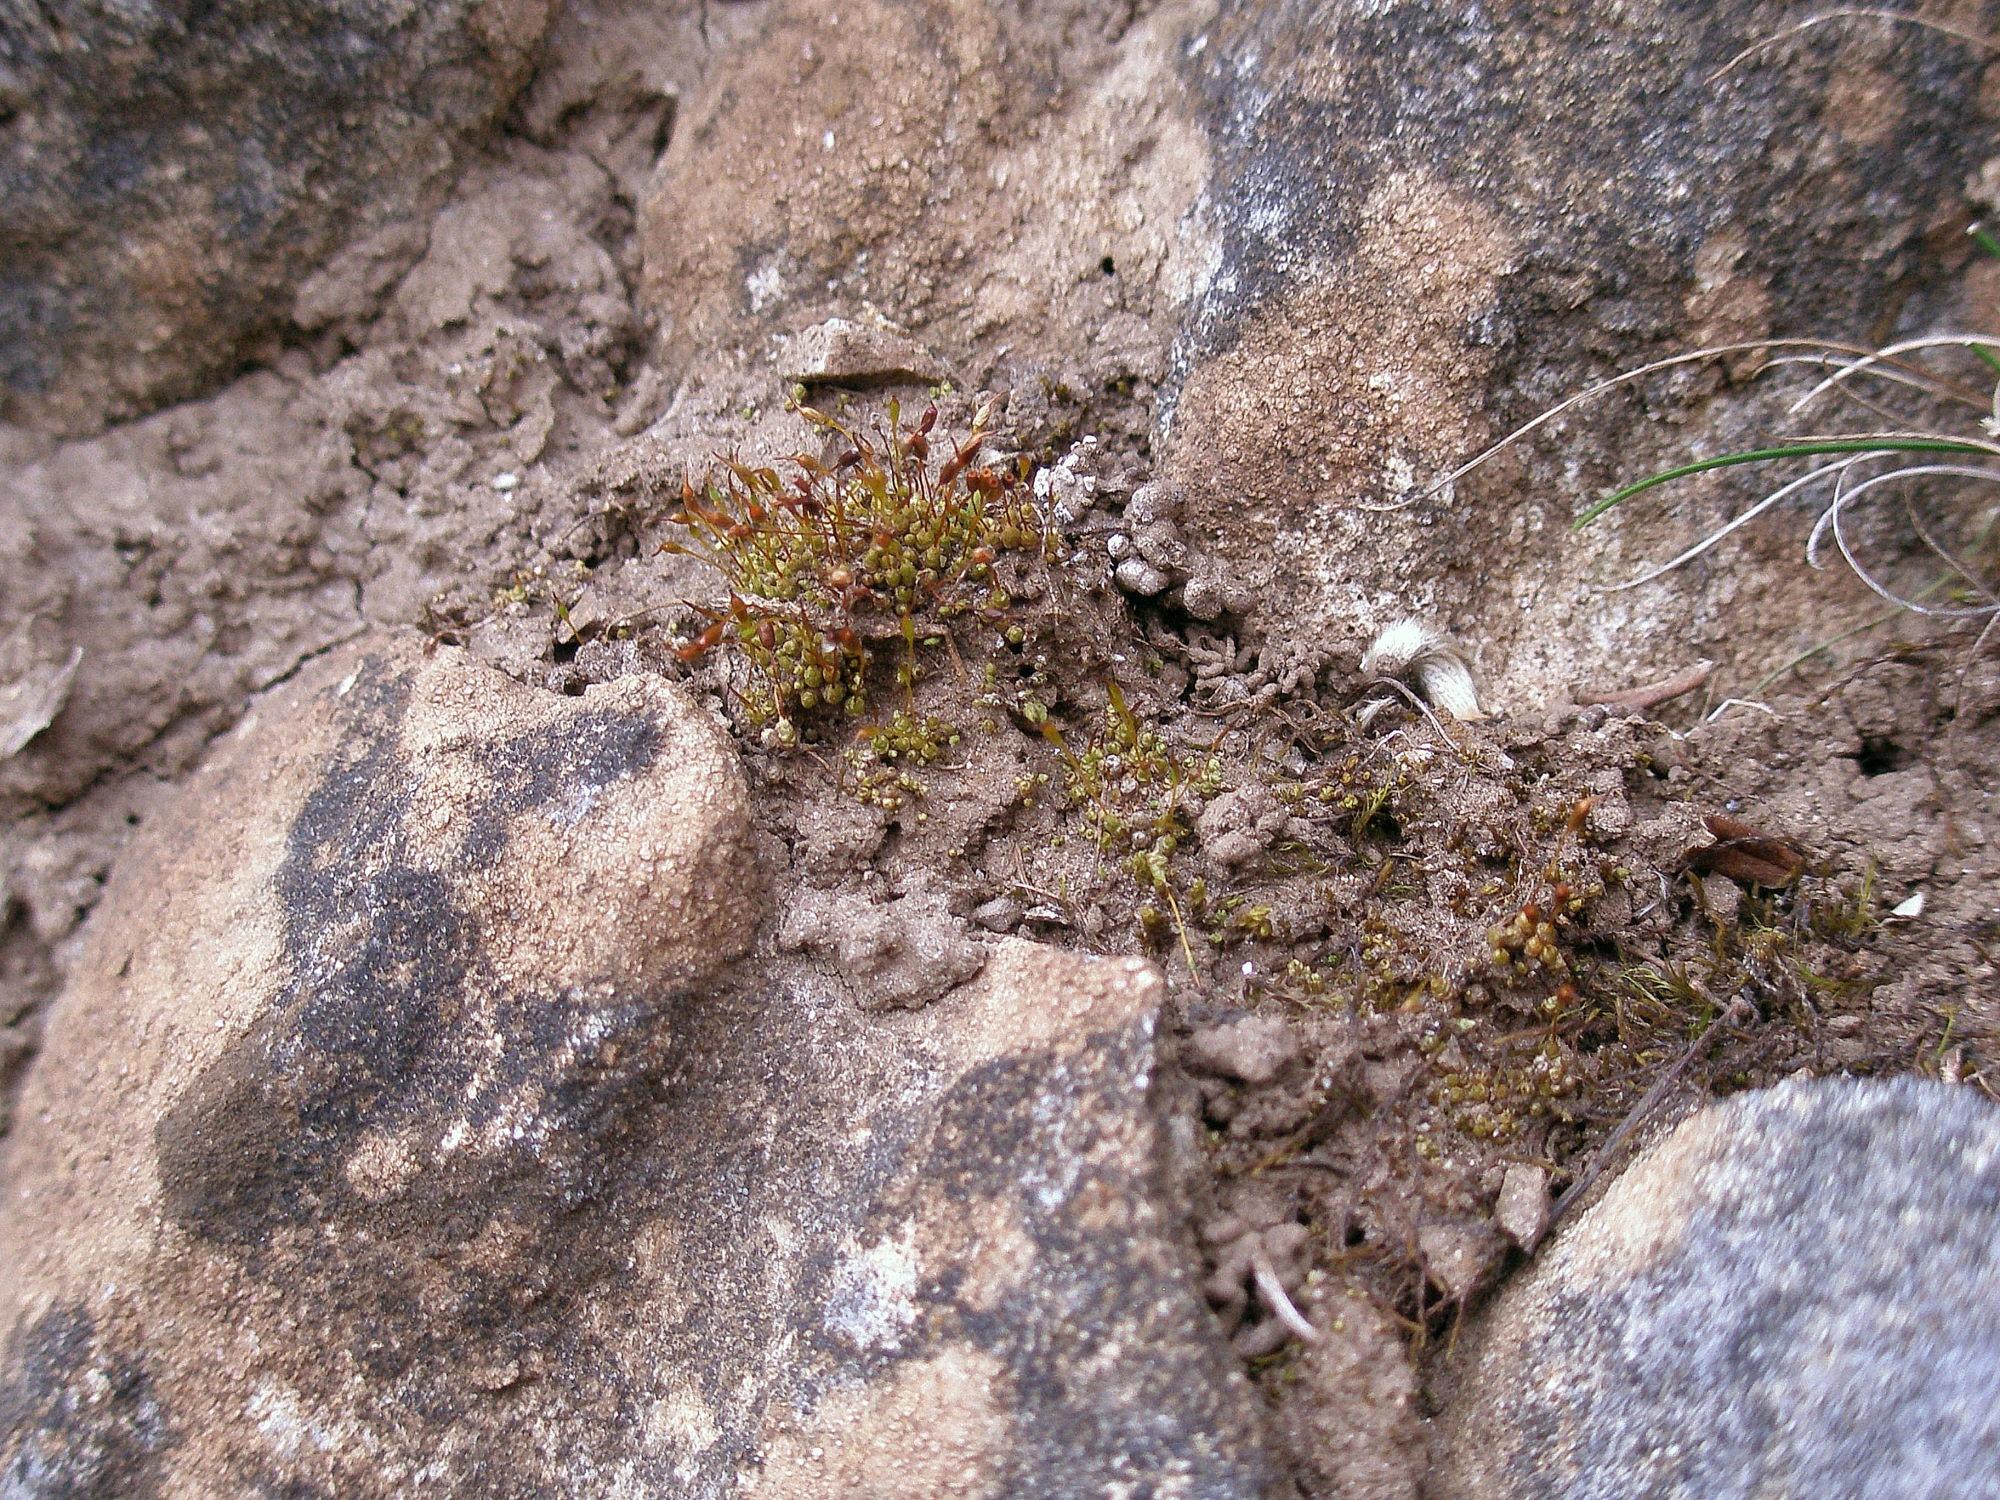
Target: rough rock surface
{"type": "Point", "coordinates": [1005, 177]}
{"type": "Point", "coordinates": [401, 1129]}
{"type": "Point", "coordinates": [170, 173]}
{"type": "Point", "coordinates": [1428, 223]}
{"type": "Point", "coordinates": [1793, 1294]}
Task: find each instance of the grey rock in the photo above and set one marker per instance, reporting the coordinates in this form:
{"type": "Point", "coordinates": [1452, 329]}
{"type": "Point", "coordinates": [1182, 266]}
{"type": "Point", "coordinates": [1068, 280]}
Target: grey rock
{"type": "Point", "coordinates": [1206, 595]}
{"type": "Point", "coordinates": [405, 1125]}
{"type": "Point", "coordinates": [1001, 914]}
{"type": "Point", "coordinates": [34, 685]}
{"type": "Point", "coordinates": [1403, 270]}
{"type": "Point", "coordinates": [1069, 487]}
{"type": "Point", "coordinates": [1160, 543]}
{"type": "Point", "coordinates": [170, 176]}
{"type": "Point", "coordinates": [1797, 1292]}
{"type": "Point", "coordinates": [1156, 500]}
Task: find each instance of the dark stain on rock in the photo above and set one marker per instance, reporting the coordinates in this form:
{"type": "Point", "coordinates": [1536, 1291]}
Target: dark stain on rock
{"type": "Point", "coordinates": [174, 169]}
{"type": "Point", "coordinates": [1036, 1142]}
{"type": "Point", "coordinates": [1608, 148]}
{"type": "Point", "coordinates": [77, 1419]}
{"type": "Point", "coordinates": [1023, 1139]}
{"type": "Point", "coordinates": [394, 1035]}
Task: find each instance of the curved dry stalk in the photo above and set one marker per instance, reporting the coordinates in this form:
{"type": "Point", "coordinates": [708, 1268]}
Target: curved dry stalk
{"type": "Point", "coordinates": [1869, 362]}
{"type": "Point", "coordinates": [1695, 356]}
{"type": "Point", "coordinates": [1854, 13]}
{"type": "Point", "coordinates": [1900, 439]}
{"type": "Point", "coordinates": [1964, 571]}
{"type": "Point", "coordinates": [1415, 702]}
{"type": "Point", "coordinates": [1914, 376]}
{"type": "Point", "coordinates": [1830, 521]}
{"type": "Point", "coordinates": [1738, 522]}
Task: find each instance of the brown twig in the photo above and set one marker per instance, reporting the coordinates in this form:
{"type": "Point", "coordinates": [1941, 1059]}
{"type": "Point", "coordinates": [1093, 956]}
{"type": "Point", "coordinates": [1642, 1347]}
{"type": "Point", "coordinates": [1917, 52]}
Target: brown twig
{"type": "Point", "coordinates": [1653, 694]}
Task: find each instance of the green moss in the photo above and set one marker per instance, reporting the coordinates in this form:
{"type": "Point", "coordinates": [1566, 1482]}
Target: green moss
{"type": "Point", "coordinates": [826, 564]}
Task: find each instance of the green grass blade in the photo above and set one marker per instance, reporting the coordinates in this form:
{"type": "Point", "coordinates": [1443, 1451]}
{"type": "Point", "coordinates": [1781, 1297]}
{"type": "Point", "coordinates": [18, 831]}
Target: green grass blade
{"type": "Point", "coordinates": [1765, 455]}
{"type": "Point", "coordinates": [1985, 356]}
{"type": "Point", "coordinates": [1984, 239]}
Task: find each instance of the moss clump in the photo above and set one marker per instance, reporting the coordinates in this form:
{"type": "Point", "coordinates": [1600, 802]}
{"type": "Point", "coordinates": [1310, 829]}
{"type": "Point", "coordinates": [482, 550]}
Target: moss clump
{"type": "Point", "coordinates": [884, 753]}
{"type": "Point", "coordinates": [1136, 791]}
{"type": "Point", "coordinates": [826, 561]}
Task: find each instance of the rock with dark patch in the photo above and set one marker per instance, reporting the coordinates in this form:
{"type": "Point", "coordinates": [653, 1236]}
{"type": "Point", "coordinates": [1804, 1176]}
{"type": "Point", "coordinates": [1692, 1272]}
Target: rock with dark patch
{"type": "Point", "coordinates": [84, 1410]}
{"type": "Point", "coordinates": [405, 1125]}
{"type": "Point", "coordinates": [1425, 224]}
{"type": "Point", "coordinates": [171, 173]}
{"type": "Point", "coordinates": [1796, 1293]}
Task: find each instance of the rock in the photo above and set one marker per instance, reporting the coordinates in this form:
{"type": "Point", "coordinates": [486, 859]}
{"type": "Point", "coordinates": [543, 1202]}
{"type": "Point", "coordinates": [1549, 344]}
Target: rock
{"type": "Point", "coordinates": [1240, 825]}
{"type": "Point", "coordinates": [1350, 1415]}
{"type": "Point", "coordinates": [402, 1126]}
{"type": "Point", "coordinates": [1137, 576]}
{"type": "Point", "coordinates": [1397, 274]}
{"type": "Point", "coordinates": [1069, 489]}
{"type": "Point", "coordinates": [1001, 914]}
{"type": "Point", "coordinates": [1253, 1050]}
{"type": "Point", "coordinates": [1161, 544]}
{"type": "Point", "coordinates": [1153, 502]}
{"type": "Point", "coordinates": [33, 686]}
{"type": "Point", "coordinates": [171, 176]}
{"type": "Point", "coordinates": [1723, 898]}
{"type": "Point", "coordinates": [841, 352]}
{"type": "Point", "coordinates": [1793, 1293]}
{"type": "Point", "coordinates": [1522, 1210]}
{"type": "Point", "coordinates": [974, 168]}
{"type": "Point", "coordinates": [1209, 594]}
{"type": "Point", "coordinates": [1461, 1258]}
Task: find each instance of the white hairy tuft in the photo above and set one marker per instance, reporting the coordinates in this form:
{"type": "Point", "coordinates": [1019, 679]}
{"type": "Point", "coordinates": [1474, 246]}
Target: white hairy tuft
{"type": "Point", "coordinates": [1430, 661]}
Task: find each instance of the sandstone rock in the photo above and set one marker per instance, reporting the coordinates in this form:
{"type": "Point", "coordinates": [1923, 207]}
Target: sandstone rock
{"type": "Point", "coordinates": [170, 176]}
{"type": "Point", "coordinates": [1522, 1210]}
{"type": "Point", "coordinates": [1794, 1293]}
{"type": "Point", "coordinates": [402, 1127]}
{"type": "Point", "coordinates": [842, 352]}
{"type": "Point", "coordinates": [993, 179]}
{"type": "Point", "coordinates": [1400, 269]}
{"type": "Point", "coordinates": [1350, 1418]}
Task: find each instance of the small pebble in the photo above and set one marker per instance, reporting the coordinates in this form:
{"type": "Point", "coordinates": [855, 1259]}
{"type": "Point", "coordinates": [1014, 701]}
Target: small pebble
{"type": "Point", "coordinates": [1522, 1211]}
{"type": "Point", "coordinates": [1137, 576]}
{"type": "Point", "coordinates": [1255, 1049]}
